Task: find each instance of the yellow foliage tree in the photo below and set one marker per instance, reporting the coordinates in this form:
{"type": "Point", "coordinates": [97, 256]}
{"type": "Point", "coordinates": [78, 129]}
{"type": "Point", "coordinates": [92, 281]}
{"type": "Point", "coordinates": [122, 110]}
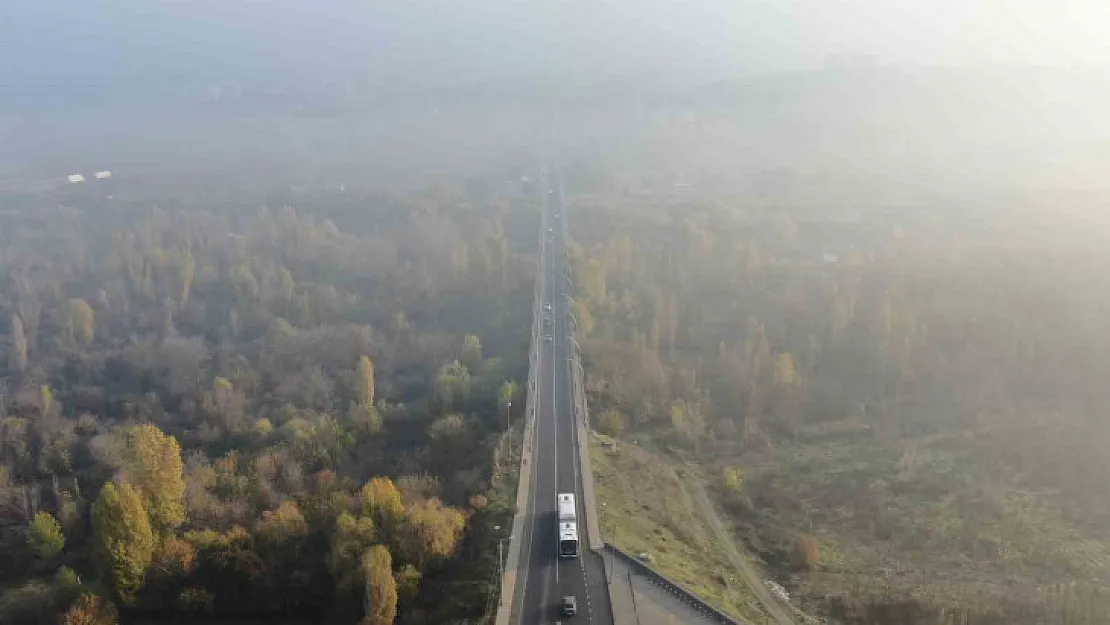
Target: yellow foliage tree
{"type": "Point", "coordinates": [153, 463]}
{"type": "Point", "coordinates": [381, 501]}
{"type": "Point", "coordinates": [89, 609]}
{"type": "Point", "coordinates": [81, 321]}
{"type": "Point", "coordinates": [380, 602]}
{"type": "Point", "coordinates": [429, 532]}
{"type": "Point", "coordinates": [364, 381]}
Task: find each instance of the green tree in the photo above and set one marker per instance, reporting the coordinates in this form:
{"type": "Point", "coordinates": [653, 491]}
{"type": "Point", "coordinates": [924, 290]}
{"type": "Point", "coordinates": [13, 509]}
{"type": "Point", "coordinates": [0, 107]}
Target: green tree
{"type": "Point", "coordinates": [90, 609]}
{"type": "Point", "coordinates": [352, 537]}
{"type": "Point", "coordinates": [452, 383]}
{"type": "Point", "coordinates": [364, 418]}
{"type": "Point", "coordinates": [123, 540]}
{"type": "Point", "coordinates": [408, 583]}
{"type": "Point", "coordinates": [471, 353]}
{"type": "Point", "coordinates": [17, 354]}
{"type": "Point", "coordinates": [152, 460]}
{"type": "Point", "coordinates": [380, 601]}
{"type": "Point", "coordinates": [45, 536]}
{"type": "Point", "coordinates": [507, 394]}
{"type": "Point", "coordinates": [364, 381]}
{"type": "Point", "coordinates": [612, 422]}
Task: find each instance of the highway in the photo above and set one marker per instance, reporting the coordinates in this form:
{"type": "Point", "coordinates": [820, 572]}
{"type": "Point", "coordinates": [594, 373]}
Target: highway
{"type": "Point", "coordinates": [546, 578]}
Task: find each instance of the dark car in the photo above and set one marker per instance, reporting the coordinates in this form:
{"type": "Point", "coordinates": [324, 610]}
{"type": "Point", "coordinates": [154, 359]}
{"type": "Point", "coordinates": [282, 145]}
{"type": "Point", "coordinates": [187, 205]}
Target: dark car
{"type": "Point", "coordinates": [570, 605]}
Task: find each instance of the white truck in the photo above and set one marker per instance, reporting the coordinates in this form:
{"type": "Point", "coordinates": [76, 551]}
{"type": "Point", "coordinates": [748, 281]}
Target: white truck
{"type": "Point", "coordinates": [568, 526]}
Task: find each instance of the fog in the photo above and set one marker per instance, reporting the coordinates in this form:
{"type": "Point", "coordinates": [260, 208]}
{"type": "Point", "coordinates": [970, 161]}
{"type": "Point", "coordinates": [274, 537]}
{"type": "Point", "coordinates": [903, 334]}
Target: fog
{"type": "Point", "coordinates": [865, 95]}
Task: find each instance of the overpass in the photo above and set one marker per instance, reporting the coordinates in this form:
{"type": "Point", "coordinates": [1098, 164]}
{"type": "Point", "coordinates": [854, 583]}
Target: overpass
{"type": "Point", "coordinates": [555, 459]}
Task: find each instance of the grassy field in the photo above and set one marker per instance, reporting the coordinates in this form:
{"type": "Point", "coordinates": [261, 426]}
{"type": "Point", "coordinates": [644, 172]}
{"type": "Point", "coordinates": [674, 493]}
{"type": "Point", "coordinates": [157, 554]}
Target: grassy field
{"type": "Point", "coordinates": [943, 522]}
{"type": "Point", "coordinates": [644, 508]}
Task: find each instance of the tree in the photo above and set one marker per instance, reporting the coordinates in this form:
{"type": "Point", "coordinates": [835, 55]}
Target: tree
{"type": "Point", "coordinates": [506, 394]}
{"type": "Point", "coordinates": [152, 460]}
{"type": "Point", "coordinates": [281, 530]}
{"type": "Point", "coordinates": [352, 537]}
{"type": "Point", "coordinates": [364, 418]}
{"type": "Point", "coordinates": [807, 553]}
{"type": "Point", "coordinates": [17, 354]}
{"type": "Point", "coordinates": [612, 422]}
{"type": "Point", "coordinates": [471, 353]}
{"type": "Point", "coordinates": [122, 538]}
{"type": "Point", "coordinates": [186, 273]}
{"type": "Point", "coordinates": [81, 321]}
{"type": "Point", "coordinates": [452, 383]}
{"type": "Point", "coordinates": [382, 501]}
{"type": "Point", "coordinates": [90, 609]}
{"type": "Point", "coordinates": [408, 583]}
{"type": "Point", "coordinates": [45, 536]}
{"type": "Point", "coordinates": [732, 478]}
{"type": "Point", "coordinates": [380, 602]}
{"type": "Point", "coordinates": [364, 381]}
{"type": "Point", "coordinates": [46, 399]}
{"type": "Point", "coordinates": [429, 532]}
{"type": "Point", "coordinates": [244, 283]}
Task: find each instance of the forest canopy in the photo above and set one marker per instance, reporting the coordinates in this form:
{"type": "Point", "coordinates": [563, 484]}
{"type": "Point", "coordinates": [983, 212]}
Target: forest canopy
{"type": "Point", "coordinates": [194, 400]}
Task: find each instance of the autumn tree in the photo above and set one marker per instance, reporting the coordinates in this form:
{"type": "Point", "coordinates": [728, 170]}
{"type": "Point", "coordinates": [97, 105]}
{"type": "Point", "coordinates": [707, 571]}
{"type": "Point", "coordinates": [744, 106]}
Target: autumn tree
{"type": "Point", "coordinates": [380, 601]}
{"type": "Point", "coordinates": [732, 478]}
{"type": "Point", "coordinates": [807, 552]}
{"type": "Point", "coordinates": [45, 536]}
{"type": "Point", "coordinates": [281, 531]}
{"type": "Point", "coordinates": [353, 535]}
{"type": "Point", "coordinates": [90, 609]}
{"type": "Point", "coordinates": [364, 381]}
{"type": "Point", "coordinates": [81, 321]}
{"type": "Point", "coordinates": [381, 501]}
{"type": "Point", "coordinates": [17, 353]}
{"type": "Point", "coordinates": [429, 532]}
{"type": "Point", "coordinates": [152, 460]}
{"type": "Point", "coordinates": [471, 353]}
{"type": "Point", "coordinates": [122, 538]}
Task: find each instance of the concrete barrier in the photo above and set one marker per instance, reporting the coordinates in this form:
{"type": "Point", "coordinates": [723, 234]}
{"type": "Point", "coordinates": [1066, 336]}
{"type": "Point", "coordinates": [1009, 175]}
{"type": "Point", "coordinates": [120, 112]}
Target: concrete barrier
{"type": "Point", "coordinates": [673, 587]}
{"type": "Point", "coordinates": [510, 590]}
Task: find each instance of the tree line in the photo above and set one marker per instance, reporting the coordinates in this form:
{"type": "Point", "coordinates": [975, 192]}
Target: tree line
{"type": "Point", "coordinates": [213, 412]}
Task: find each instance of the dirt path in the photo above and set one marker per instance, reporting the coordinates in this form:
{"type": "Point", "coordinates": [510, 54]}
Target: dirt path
{"type": "Point", "coordinates": [740, 564]}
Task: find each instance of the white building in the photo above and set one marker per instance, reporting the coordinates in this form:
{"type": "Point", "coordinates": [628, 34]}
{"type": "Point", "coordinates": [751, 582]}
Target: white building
{"type": "Point", "coordinates": [103, 175]}
{"type": "Point", "coordinates": [75, 178]}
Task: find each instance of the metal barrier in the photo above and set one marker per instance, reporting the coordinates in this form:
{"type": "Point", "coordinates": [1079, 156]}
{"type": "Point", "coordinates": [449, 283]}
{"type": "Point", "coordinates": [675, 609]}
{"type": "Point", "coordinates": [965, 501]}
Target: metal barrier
{"type": "Point", "coordinates": [673, 587]}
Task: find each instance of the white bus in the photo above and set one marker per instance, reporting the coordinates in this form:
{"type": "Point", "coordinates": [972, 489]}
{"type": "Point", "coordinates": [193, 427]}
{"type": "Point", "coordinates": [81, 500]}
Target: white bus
{"type": "Point", "coordinates": [568, 539]}
{"type": "Point", "coordinates": [566, 507]}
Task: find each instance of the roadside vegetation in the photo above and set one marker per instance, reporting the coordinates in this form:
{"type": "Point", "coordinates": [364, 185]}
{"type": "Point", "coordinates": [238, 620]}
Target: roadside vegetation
{"type": "Point", "coordinates": [264, 414]}
{"type": "Point", "coordinates": [899, 414]}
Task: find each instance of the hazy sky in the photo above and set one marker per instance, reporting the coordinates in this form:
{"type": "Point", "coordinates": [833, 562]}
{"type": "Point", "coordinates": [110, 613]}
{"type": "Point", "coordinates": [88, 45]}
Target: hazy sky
{"type": "Point", "coordinates": [425, 42]}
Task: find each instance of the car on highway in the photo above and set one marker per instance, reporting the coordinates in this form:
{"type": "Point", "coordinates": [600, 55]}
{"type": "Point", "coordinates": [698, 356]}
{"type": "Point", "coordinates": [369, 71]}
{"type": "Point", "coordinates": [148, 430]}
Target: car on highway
{"type": "Point", "coordinates": [547, 338]}
{"type": "Point", "coordinates": [570, 605]}
{"type": "Point", "coordinates": [547, 306]}
{"type": "Point", "coordinates": [550, 191]}
{"type": "Point", "coordinates": [550, 230]}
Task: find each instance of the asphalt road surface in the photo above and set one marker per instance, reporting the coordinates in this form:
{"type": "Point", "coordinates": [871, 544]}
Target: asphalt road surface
{"type": "Point", "coordinates": [547, 578]}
